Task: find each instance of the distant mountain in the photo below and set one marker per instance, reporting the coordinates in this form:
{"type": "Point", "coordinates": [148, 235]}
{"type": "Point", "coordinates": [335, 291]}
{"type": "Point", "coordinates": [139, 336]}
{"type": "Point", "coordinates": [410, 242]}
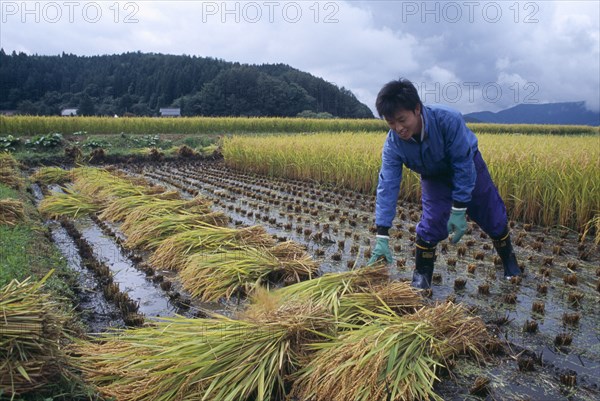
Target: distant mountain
{"type": "Point", "coordinates": [568, 113]}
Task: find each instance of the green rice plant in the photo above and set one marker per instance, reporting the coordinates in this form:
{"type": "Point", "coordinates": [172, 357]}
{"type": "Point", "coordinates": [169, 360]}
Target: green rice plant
{"type": "Point", "coordinates": [392, 358]}
{"type": "Point", "coordinates": [216, 359]}
{"type": "Point", "coordinates": [52, 175]}
{"type": "Point", "coordinates": [70, 203]}
{"type": "Point", "coordinates": [32, 327]}
{"type": "Point", "coordinates": [173, 252]}
{"type": "Point", "coordinates": [12, 212]}
{"type": "Point", "coordinates": [153, 231]}
{"type": "Point", "coordinates": [230, 272]}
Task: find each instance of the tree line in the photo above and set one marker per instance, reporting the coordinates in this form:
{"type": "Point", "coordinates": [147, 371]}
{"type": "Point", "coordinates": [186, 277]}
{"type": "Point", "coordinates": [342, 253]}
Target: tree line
{"type": "Point", "coordinates": [142, 83]}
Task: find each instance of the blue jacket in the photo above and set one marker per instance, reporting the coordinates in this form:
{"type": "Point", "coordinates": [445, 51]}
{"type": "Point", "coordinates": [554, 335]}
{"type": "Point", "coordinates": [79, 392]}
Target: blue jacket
{"type": "Point", "coordinates": [446, 151]}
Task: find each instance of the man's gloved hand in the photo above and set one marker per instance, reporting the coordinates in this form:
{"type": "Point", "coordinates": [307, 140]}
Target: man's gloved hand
{"type": "Point", "coordinates": [382, 248]}
{"type": "Point", "coordinates": [457, 223]}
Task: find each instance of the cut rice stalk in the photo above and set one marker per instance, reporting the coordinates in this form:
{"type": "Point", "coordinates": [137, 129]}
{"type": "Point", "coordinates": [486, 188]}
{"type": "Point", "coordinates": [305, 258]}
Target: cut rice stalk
{"type": "Point", "coordinates": [393, 358]}
{"type": "Point", "coordinates": [120, 208]}
{"type": "Point", "coordinates": [52, 175]}
{"type": "Point", "coordinates": [174, 251]}
{"type": "Point", "coordinates": [31, 329]}
{"type": "Point", "coordinates": [10, 177]}
{"type": "Point", "coordinates": [376, 362]}
{"type": "Point", "coordinates": [297, 264]}
{"type": "Point", "coordinates": [212, 276]}
{"type": "Point", "coordinates": [8, 161]}
{"type": "Point", "coordinates": [12, 212]}
{"type": "Point", "coordinates": [393, 298]}
{"type": "Point", "coordinates": [164, 207]}
{"type": "Point", "coordinates": [329, 288]}
{"type": "Point", "coordinates": [70, 204]}
{"type": "Point", "coordinates": [151, 233]}
{"type": "Point", "coordinates": [204, 359]}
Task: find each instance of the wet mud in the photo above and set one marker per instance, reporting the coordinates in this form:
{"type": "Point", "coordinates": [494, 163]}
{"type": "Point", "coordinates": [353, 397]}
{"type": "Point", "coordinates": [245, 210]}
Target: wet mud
{"type": "Point", "coordinates": [549, 319]}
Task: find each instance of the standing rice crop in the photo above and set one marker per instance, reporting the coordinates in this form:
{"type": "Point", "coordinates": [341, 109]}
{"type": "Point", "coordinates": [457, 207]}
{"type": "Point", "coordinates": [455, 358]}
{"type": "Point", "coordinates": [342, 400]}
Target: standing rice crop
{"type": "Point", "coordinates": [547, 180]}
{"type": "Point", "coordinates": [216, 359]}
{"type": "Point", "coordinates": [31, 331]}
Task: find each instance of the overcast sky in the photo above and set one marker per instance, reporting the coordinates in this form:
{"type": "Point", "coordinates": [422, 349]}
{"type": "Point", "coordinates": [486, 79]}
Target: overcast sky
{"type": "Point", "coordinates": [473, 55]}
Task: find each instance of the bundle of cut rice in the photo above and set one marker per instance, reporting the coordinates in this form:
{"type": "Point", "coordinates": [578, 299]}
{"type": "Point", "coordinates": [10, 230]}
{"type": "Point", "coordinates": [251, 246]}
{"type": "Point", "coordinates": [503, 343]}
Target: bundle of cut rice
{"type": "Point", "coordinates": [31, 329]}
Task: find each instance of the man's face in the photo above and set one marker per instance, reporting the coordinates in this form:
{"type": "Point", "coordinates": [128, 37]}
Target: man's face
{"type": "Point", "coordinates": [406, 123]}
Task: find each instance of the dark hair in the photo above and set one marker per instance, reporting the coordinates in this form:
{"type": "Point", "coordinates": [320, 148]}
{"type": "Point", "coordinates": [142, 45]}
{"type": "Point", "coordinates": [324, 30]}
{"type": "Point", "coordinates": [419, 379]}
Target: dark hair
{"type": "Point", "coordinates": [395, 96]}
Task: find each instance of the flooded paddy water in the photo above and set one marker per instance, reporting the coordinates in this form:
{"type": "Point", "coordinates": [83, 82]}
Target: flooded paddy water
{"type": "Point", "coordinates": [549, 319]}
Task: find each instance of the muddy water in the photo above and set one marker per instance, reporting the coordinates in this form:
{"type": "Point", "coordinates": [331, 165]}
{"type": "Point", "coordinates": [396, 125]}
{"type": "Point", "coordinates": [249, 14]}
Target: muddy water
{"type": "Point", "coordinates": [98, 314]}
{"type": "Point", "coordinates": [151, 300]}
{"type": "Point", "coordinates": [266, 202]}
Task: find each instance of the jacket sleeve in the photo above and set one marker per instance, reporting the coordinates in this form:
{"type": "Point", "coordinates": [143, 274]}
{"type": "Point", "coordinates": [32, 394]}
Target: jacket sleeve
{"type": "Point", "coordinates": [388, 187]}
{"type": "Point", "coordinates": [458, 138]}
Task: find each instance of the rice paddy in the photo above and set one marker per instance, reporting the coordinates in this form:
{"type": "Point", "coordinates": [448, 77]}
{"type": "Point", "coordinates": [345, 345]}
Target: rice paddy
{"type": "Point", "coordinates": [229, 283]}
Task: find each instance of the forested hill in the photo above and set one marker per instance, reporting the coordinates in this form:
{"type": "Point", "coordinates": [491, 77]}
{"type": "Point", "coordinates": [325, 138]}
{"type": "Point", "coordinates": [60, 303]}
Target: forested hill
{"type": "Point", "coordinates": [141, 83]}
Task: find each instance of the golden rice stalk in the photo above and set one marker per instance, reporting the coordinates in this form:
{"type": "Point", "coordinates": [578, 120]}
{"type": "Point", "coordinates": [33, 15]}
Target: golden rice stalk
{"type": "Point", "coordinates": [11, 212]}
{"type": "Point", "coordinates": [31, 329]}
{"type": "Point", "coordinates": [102, 185]}
{"type": "Point", "coordinates": [296, 264]}
{"type": "Point", "coordinates": [160, 207]}
{"type": "Point", "coordinates": [120, 208]}
{"type": "Point", "coordinates": [8, 161]}
{"type": "Point", "coordinates": [173, 252]}
{"type": "Point", "coordinates": [393, 298]}
{"type": "Point", "coordinates": [461, 332]}
{"type": "Point", "coordinates": [52, 175]}
{"type": "Point", "coordinates": [204, 359]}
{"type": "Point", "coordinates": [150, 233]}
{"type": "Point", "coordinates": [328, 289]}
{"type": "Point", "coordinates": [10, 177]}
{"type": "Point", "coordinates": [212, 276]}
{"type": "Point", "coordinates": [393, 358]}
{"type": "Point", "coordinates": [70, 204]}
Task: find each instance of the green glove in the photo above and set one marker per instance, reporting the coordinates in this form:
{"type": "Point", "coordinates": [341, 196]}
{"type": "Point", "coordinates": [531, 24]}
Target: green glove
{"type": "Point", "coordinates": [382, 248]}
{"type": "Point", "coordinates": [457, 224]}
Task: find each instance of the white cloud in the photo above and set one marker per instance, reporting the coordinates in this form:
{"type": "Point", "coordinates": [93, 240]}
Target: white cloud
{"type": "Point", "coordinates": [552, 47]}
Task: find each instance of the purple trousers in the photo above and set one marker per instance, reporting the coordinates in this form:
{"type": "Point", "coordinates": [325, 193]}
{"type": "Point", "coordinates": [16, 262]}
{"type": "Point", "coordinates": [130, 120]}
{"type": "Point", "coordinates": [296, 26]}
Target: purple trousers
{"type": "Point", "coordinates": [486, 207]}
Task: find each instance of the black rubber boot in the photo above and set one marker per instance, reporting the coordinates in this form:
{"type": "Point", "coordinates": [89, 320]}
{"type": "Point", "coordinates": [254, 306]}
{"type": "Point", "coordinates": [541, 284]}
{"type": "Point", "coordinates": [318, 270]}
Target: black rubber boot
{"type": "Point", "coordinates": [507, 254]}
{"type": "Point", "coordinates": [424, 260]}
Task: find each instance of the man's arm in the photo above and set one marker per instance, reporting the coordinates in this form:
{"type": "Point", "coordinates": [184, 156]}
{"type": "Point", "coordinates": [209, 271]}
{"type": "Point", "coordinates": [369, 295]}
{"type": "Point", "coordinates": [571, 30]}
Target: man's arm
{"type": "Point", "coordinates": [458, 142]}
{"type": "Point", "coordinates": [388, 187]}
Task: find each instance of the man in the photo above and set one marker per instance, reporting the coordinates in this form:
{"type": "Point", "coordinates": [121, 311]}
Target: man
{"type": "Point", "coordinates": [435, 142]}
